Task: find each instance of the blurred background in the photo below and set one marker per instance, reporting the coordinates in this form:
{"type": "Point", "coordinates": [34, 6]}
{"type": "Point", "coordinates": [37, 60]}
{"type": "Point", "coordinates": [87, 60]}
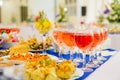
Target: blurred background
{"type": "Point", "coordinates": [98, 12]}
{"type": "Point", "coordinates": [17, 11]}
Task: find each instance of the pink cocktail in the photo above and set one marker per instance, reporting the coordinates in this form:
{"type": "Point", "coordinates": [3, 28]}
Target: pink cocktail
{"type": "Point", "coordinates": [68, 39]}
{"type": "Point", "coordinates": [58, 37]}
{"type": "Point", "coordinates": [83, 41]}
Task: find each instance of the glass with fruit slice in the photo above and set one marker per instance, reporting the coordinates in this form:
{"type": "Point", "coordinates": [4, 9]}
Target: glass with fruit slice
{"type": "Point", "coordinates": [43, 24]}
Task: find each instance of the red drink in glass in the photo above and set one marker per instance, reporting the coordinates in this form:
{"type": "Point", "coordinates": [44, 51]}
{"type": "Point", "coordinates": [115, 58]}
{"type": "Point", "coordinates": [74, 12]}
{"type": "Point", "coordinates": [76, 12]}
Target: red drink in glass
{"type": "Point", "coordinates": [96, 40]}
{"type": "Point", "coordinates": [17, 30]}
{"type": "Point", "coordinates": [7, 30]}
{"type": "Point", "coordinates": [83, 41]}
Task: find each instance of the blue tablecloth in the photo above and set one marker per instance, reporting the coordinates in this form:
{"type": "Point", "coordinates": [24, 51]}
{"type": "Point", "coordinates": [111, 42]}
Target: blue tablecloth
{"type": "Point", "coordinates": [67, 56]}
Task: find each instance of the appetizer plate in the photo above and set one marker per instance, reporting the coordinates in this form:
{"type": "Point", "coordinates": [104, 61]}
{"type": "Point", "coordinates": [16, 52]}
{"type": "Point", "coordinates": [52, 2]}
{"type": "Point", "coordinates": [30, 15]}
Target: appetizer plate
{"type": "Point", "coordinates": [53, 57]}
{"type": "Point", "coordinates": [108, 53]}
{"type": "Point", "coordinates": [78, 73]}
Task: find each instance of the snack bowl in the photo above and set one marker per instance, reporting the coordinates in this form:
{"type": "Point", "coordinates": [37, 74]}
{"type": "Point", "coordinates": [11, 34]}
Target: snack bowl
{"type": "Point", "coordinates": [7, 45]}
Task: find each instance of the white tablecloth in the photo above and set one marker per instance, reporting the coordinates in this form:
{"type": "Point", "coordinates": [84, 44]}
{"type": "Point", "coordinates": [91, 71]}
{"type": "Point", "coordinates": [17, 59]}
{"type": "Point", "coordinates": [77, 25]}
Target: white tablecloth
{"type": "Point", "coordinates": [108, 71]}
{"type": "Point", "coordinates": [115, 41]}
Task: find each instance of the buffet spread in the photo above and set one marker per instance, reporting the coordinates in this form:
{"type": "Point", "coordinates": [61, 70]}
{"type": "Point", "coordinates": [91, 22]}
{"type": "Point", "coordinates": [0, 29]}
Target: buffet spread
{"type": "Point", "coordinates": [37, 66]}
{"type": "Point", "coordinates": [30, 59]}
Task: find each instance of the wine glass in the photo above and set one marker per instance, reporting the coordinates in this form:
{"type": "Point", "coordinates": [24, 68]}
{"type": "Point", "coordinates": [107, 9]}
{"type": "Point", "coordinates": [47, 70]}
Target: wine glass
{"type": "Point", "coordinates": [104, 33]}
{"type": "Point", "coordinates": [93, 62]}
{"type": "Point", "coordinates": [44, 37]}
{"type": "Point", "coordinates": [57, 38]}
{"type": "Point", "coordinates": [43, 25]}
{"type": "Point", "coordinates": [78, 58]}
{"type": "Point", "coordinates": [84, 39]}
{"type": "Point", "coordinates": [69, 41]}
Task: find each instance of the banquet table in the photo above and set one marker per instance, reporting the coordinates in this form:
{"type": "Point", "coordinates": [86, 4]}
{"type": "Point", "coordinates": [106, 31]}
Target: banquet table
{"type": "Point", "coordinates": [110, 70]}
{"type": "Point", "coordinates": [107, 71]}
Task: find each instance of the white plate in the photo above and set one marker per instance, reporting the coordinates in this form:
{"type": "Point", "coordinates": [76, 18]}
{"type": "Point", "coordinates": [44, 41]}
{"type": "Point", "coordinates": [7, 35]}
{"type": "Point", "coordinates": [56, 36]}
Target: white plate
{"type": "Point", "coordinates": [78, 73]}
{"type": "Point", "coordinates": [108, 53]}
{"type": "Point", "coordinates": [5, 57]}
{"type": "Point", "coordinates": [53, 57]}
{"type": "Point", "coordinates": [35, 51]}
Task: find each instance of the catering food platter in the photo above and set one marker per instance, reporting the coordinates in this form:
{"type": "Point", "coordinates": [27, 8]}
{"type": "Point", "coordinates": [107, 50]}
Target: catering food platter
{"type": "Point", "coordinates": [50, 66]}
{"type": "Point", "coordinates": [39, 66]}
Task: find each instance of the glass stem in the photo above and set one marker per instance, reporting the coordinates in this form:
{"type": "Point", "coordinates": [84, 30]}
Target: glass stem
{"type": "Point", "coordinates": [78, 55]}
{"type": "Point", "coordinates": [60, 53]}
{"type": "Point", "coordinates": [100, 55]}
{"type": "Point", "coordinates": [84, 60]}
{"type": "Point", "coordinates": [71, 53]}
{"type": "Point", "coordinates": [44, 44]}
{"type": "Point", "coordinates": [90, 57]}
